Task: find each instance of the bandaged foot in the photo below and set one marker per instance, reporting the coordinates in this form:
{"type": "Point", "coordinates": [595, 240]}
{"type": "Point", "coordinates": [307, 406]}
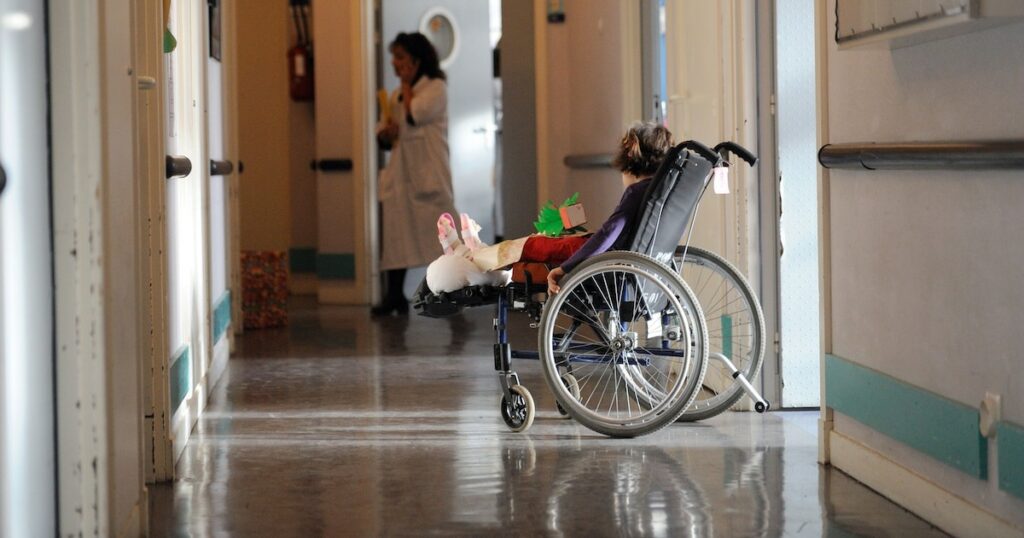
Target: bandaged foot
{"type": "Point", "coordinates": [471, 233]}
{"type": "Point", "coordinates": [449, 273]}
{"type": "Point", "coordinates": [448, 237]}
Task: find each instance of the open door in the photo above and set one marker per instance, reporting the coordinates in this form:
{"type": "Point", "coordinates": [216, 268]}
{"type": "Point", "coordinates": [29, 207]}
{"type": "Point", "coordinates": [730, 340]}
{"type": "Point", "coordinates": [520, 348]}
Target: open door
{"type": "Point", "coordinates": [188, 329]}
{"type": "Point", "coordinates": [221, 170]}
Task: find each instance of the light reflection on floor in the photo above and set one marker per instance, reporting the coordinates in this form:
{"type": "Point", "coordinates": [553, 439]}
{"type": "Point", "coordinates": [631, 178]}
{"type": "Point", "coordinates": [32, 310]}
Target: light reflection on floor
{"type": "Point", "coordinates": [343, 426]}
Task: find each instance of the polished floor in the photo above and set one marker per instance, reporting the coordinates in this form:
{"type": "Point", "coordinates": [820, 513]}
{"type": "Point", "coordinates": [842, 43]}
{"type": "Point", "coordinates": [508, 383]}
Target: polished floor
{"type": "Point", "coordinates": [341, 425]}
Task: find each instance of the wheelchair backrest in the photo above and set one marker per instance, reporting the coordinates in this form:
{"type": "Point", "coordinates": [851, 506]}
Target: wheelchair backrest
{"type": "Point", "coordinates": [669, 203]}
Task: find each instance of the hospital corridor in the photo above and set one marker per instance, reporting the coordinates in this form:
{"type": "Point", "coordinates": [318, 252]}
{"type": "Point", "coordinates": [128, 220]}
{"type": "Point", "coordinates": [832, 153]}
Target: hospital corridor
{"type": "Point", "coordinates": [709, 268]}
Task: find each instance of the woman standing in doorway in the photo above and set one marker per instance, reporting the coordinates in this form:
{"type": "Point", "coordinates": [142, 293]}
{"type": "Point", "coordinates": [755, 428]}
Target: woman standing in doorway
{"type": "Point", "coordinates": [416, 184]}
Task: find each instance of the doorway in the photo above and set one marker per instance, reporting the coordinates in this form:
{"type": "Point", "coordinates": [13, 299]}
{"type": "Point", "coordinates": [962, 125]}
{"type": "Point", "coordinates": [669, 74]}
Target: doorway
{"type": "Point", "coordinates": [465, 35]}
{"type": "Point", "coordinates": [796, 121]}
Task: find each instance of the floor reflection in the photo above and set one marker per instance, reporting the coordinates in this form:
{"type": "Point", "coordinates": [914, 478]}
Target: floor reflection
{"type": "Point", "coordinates": [343, 426]}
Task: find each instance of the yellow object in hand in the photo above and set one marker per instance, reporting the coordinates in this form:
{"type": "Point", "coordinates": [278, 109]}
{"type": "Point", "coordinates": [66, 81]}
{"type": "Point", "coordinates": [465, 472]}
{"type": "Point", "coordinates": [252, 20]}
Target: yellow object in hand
{"type": "Point", "coordinates": [385, 105]}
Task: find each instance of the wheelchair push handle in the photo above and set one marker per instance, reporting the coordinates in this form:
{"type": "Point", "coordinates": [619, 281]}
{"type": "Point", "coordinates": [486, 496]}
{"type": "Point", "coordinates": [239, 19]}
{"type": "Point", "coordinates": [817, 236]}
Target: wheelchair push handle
{"type": "Point", "coordinates": [720, 153]}
{"type": "Point", "coordinates": [725, 148]}
{"type": "Point", "coordinates": [702, 150]}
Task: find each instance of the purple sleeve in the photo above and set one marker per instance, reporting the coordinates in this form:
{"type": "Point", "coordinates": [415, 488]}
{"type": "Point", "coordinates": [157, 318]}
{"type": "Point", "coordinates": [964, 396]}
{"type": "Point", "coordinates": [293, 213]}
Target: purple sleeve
{"type": "Point", "coordinates": [606, 236]}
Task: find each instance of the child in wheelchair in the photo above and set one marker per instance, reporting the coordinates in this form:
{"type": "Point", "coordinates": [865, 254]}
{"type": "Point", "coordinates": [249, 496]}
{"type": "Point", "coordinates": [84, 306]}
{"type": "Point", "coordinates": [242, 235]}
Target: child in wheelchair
{"type": "Point", "coordinates": [638, 156]}
{"type": "Point", "coordinates": [623, 340]}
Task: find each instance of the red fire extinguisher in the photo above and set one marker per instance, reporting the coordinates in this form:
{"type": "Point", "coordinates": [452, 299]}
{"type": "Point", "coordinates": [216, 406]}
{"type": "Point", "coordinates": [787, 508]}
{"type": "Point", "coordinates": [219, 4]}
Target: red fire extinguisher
{"type": "Point", "coordinates": [300, 57]}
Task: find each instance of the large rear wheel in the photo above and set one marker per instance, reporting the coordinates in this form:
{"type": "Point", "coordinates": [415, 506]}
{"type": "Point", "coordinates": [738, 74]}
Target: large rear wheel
{"type": "Point", "coordinates": [735, 329]}
{"type": "Point", "coordinates": [608, 324]}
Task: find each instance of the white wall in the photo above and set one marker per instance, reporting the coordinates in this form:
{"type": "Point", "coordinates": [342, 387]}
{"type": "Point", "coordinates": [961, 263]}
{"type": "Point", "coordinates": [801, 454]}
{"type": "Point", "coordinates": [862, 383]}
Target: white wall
{"type": "Point", "coordinates": [26, 316]}
{"type": "Point", "coordinates": [926, 279]}
{"type": "Point", "coordinates": [926, 266]}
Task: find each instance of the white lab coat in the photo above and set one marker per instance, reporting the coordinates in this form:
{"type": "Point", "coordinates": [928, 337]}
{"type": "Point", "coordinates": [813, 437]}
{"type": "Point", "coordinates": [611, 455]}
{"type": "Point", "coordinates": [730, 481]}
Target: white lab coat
{"type": "Point", "coordinates": [415, 187]}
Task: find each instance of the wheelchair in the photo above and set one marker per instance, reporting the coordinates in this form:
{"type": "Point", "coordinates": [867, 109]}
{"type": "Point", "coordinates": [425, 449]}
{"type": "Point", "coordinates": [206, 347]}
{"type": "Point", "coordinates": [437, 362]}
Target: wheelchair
{"type": "Point", "coordinates": [626, 346]}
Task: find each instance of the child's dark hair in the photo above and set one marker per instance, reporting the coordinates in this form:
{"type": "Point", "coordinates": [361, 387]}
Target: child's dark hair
{"type": "Point", "coordinates": [642, 149]}
{"type": "Point", "coordinates": [420, 48]}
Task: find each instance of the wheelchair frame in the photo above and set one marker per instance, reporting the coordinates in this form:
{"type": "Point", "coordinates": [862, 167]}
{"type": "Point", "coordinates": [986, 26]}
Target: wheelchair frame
{"type": "Point", "coordinates": [517, 406]}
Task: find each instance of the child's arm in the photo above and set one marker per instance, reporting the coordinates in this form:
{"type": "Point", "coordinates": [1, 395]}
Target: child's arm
{"type": "Point", "coordinates": [611, 231]}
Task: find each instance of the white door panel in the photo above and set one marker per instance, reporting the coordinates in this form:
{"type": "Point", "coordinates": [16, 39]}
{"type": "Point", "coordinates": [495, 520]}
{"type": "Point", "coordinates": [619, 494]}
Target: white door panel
{"type": "Point", "coordinates": [218, 190]}
{"type": "Point", "coordinates": [187, 222]}
{"type": "Point", "coordinates": [27, 459]}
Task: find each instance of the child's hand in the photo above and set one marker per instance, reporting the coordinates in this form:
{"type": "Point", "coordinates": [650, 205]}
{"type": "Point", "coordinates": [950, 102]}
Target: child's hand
{"type": "Point", "coordinates": [554, 276]}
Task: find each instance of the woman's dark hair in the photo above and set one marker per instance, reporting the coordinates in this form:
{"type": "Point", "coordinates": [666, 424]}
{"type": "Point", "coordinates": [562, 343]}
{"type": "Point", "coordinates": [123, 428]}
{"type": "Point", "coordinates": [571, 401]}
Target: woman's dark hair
{"type": "Point", "coordinates": [642, 149]}
{"type": "Point", "coordinates": [419, 47]}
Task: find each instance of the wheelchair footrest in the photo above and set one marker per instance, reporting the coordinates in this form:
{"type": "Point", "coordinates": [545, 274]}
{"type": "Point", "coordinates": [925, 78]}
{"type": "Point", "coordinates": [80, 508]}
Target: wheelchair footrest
{"type": "Point", "coordinates": [439, 305]}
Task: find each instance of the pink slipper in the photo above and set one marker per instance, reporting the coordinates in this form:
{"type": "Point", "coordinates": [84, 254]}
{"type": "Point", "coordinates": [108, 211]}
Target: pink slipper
{"type": "Point", "coordinates": [471, 232]}
{"type": "Point", "coordinates": [446, 233]}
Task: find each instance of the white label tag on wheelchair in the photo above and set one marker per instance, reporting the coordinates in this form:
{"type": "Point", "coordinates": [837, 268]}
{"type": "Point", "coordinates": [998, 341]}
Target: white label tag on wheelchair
{"type": "Point", "coordinates": [721, 177]}
{"type": "Point", "coordinates": [654, 325]}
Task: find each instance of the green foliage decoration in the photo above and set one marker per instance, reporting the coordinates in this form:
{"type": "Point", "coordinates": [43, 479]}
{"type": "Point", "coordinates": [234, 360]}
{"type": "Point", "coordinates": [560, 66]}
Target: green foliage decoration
{"type": "Point", "coordinates": [549, 220]}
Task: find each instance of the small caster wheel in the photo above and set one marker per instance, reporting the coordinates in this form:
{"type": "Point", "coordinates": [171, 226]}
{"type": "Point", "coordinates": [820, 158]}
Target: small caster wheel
{"type": "Point", "coordinates": [570, 383]}
{"type": "Point", "coordinates": [761, 407]}
{"type": "Point", "coordinates": [518, 414]}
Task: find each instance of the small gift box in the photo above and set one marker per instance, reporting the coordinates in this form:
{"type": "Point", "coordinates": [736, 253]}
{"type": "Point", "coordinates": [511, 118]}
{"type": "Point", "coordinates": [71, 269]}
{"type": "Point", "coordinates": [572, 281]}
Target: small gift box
{"type": "Point", "coordinates": [572, 216]}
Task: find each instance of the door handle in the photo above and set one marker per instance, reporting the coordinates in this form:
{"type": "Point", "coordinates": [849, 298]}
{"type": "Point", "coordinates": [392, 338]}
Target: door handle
{"type": "Point", "coordinates": [146, 83]}
{"type": "Point", "coordinates": [3, 179]}
{"type": "Point", "coordinates": [331, 165]}
{"type": "Point", "coordinates": [178, 166]}
{"type": "Point", "coordinates": [221, 168]}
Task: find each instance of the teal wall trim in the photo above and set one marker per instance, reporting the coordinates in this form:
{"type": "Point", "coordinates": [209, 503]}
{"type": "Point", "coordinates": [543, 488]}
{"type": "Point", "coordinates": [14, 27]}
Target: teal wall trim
{"type": "Point", "coordinates": [181, 380]}
{"type": "Point", "coordinates": [336, 266]}
{"type": "Point", "coordinates": [221, 316]}
{"type": "Point", "coordinates": [927, 422]}
{"type": "Point", "coordinates": [1010, 443]}
{"type": "Point", "coordinates": [302, 260]}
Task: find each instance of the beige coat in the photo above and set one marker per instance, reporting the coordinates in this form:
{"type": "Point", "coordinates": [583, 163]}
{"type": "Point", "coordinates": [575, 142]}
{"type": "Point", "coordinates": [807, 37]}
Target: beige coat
{"type": "Point", "coordinates": [416, 185]}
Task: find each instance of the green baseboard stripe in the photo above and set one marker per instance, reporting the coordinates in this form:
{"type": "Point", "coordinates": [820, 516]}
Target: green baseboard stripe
{"type": "Point", "coordinates": [181, 379]}
{"type": "Point", "coordinates": [927, 422]}
{"type": "Point", "coordinates": [221, 316]}
{"type": "Point", "coordinates": [1010, 444]}
{"type": "Point", "coordinates": [336, 266]}
{"type": "Point", "coordinates": [302, 260]}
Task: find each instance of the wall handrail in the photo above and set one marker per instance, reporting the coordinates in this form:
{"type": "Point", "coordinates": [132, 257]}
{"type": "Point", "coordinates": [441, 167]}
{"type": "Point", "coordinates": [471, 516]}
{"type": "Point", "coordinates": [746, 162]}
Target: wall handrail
{"type": "Point", "coordinates": [981, 155]}
{"type": "Point", "coordinates": [590, 160]}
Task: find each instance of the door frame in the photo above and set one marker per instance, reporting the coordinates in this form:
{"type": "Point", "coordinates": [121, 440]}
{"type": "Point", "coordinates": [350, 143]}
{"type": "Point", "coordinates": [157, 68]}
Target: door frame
{"type": "Point", "coordinates": [771, 380]}
{"type": "Point", "coordinates": [150, 26]}
{"type": "Point", "coordinates": [99, 336]}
